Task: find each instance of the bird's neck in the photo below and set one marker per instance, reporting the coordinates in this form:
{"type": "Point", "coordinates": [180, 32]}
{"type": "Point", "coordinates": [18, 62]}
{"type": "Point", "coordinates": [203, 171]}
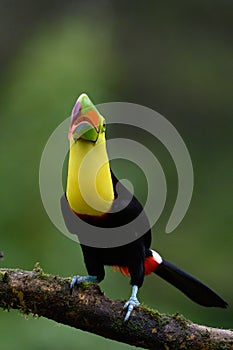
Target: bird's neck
{"type": "Point", "coordinates": [89, 183]}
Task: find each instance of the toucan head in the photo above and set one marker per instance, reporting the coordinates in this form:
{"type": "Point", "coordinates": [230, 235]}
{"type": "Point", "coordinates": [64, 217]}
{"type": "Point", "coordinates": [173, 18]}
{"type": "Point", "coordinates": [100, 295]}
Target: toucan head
{"type": "Point", "coordinates": [86, 122]}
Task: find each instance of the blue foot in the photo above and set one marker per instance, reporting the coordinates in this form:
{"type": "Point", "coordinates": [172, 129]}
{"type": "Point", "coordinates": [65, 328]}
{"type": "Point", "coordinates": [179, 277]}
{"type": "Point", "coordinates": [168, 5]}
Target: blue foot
{"type": "Point", "coordinates": [131, 303]}
{"type": "Point", "coordinates": [80, 279]}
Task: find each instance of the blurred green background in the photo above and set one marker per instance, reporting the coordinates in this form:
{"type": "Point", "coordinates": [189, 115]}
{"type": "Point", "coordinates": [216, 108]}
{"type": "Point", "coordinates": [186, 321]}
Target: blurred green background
{"type": "Point", "coordinates": [174, 57]}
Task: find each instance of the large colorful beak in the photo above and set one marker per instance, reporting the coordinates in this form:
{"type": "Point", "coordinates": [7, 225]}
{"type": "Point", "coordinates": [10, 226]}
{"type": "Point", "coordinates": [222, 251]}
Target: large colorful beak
{"type": "Point", "coordinates": [85, 120]}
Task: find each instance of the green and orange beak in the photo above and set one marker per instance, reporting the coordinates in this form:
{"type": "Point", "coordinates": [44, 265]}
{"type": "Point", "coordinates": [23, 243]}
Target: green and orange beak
{"type": "Point", "coordinates": [86, 122]}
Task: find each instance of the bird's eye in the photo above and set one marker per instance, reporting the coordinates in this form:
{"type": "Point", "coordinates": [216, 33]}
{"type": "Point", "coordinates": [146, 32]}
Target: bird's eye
{"type": "Point", "coordinates": [104, 126]}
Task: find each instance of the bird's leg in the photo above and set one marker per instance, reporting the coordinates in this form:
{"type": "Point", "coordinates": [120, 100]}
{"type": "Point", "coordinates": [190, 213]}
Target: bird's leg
{"type": "Point", "coordinates": [81, 279]}
{"type": "Point", "coordinates": [133, 301]}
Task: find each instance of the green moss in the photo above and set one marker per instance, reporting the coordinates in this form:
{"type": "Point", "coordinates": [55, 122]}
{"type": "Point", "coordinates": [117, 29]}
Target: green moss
{"type": "Point", "coordinates": [64, 282]}
{"type": "Point", "coordinates": [20, 297]}
{"type": "Point", "coordinates": [152, 312]}
{"type": "Point", "coordinates": [84, 285]}
{"type": "Point", "coordinates": [5, 277]}
{"type": "Point", "coordinates": [39, 271]}
{"type": "Point", "coordinates": [37, 268]}
{"type": "Point", "coordinates": [205, 333]}
{"type": "Point", "coordinates": [19, 301]}
{"type": "Point", "coordinates": [181, 320]}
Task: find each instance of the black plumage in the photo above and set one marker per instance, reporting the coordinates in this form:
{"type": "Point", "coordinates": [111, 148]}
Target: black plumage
{"type": "Point", "coordinates": [131, 255]}
{"type": "Point", "coordinates": [120, 234]}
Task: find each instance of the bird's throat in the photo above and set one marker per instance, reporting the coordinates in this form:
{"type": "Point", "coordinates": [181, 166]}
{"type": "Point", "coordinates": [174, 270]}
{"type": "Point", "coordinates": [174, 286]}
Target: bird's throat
{"type": "Point", "coordinates": [89, 183]}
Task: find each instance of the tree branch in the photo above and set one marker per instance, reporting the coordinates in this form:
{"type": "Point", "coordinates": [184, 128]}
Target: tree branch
{"type": "Point", "coordinates": [89, 310]}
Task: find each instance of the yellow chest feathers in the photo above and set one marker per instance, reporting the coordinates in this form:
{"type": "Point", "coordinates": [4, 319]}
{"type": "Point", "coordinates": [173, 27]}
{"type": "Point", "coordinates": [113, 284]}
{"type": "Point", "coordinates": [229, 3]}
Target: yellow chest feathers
{"type": "Point", "coordinates": [89, 183]}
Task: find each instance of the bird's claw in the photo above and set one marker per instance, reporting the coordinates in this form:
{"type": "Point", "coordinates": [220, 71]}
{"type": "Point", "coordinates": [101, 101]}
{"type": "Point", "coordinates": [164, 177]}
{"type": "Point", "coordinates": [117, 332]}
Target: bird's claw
{"type": "Point", "coordinates": [75, 280]}
{"type": "Point", "coordinates": [129, 305]}
{"type": "Point", "coordinates": [80, 279]}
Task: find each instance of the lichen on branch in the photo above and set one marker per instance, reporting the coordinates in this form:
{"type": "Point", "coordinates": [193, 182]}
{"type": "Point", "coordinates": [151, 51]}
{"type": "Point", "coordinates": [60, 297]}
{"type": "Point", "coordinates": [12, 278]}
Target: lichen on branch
{"type": "Point", "coordinates": [90, 310]}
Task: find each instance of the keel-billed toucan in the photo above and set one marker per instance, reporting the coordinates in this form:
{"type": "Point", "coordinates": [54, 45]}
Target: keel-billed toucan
{"type": "Point", "coordinates": [92, 197]}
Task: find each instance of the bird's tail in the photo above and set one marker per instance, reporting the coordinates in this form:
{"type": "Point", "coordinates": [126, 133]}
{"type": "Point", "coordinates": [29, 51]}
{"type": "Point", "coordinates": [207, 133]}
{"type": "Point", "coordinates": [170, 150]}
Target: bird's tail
{"type": "Point", "coordinates": [189, 285]}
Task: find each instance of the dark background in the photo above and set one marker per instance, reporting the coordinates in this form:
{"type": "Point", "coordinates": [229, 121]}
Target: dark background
{"type": "Point", "coordinates": [174, 57]}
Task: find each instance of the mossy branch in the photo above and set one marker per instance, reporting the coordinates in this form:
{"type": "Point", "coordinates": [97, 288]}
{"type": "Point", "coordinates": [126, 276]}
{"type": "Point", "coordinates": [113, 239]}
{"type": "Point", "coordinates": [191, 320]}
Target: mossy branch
{"type": "Point", "coordinates": [89, 310]}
